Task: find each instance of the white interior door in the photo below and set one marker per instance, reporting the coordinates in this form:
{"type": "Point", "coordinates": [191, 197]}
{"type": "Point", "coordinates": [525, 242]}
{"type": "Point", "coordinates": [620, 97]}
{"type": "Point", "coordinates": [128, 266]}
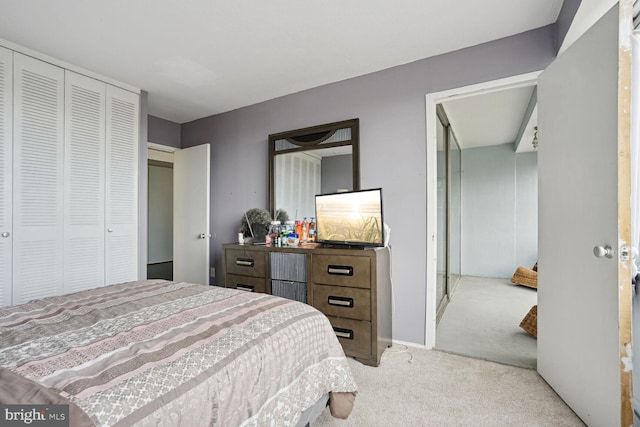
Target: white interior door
{"type": "Point", "coordinates": [191, 214]}
{"type": "Point", "coordinates": [84, 183]}
{"type": "Point", "coordinates": [121, 220]}
{"type": "Point", "coordinates": [38, 208]}
{"type": "Point", "coordinates": [6, 175]}
{"type": "Point", "coordinates": [583, 162]}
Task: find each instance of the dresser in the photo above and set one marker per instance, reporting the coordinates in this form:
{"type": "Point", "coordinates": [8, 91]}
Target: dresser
{"type": "Point", "coordinates": [352, 287]}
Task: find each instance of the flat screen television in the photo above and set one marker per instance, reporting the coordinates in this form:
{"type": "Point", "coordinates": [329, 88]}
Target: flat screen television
{"type": "Point", "coordinates": [352, 218]}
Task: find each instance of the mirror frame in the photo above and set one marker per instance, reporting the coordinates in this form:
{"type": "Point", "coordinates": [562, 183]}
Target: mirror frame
{"type": "Point", "coordinates": [313, 138]}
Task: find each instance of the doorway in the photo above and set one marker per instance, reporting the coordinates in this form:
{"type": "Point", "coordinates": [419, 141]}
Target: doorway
{"type": "Point", "coordinates": [178, 214]}
{"type": "Point", "coordinates": [462, 258]}
{"type": "Point", "coordinates": [160, 215]}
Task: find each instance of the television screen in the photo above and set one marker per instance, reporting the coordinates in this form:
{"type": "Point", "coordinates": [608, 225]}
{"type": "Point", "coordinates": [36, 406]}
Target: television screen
{"type": "Point", "coordinates": [350, 218]}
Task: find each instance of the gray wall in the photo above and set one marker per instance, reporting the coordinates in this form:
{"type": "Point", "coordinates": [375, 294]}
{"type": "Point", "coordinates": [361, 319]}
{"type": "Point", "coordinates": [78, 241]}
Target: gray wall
{"type": "Point", "coordinates": [499, 211]}
{"type": "Point", "coordinates": [526, 211]}
{"type": "Point", "coordinates": [336, 173]}
{"type": "Point", "coordinates": [164, 132]}
{"type": "Point", "coordinates": [391, 107]}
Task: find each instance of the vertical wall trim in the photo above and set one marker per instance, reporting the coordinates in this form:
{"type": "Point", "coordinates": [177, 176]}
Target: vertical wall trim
{"type": "Point", "coordinates": [143, 186]}
{"type": "Point", "coordinates": [516, 182]}
{"type": "Point", "coordinates": [625, 27]}
{"type": "Point", "coordinates": [533, 103]}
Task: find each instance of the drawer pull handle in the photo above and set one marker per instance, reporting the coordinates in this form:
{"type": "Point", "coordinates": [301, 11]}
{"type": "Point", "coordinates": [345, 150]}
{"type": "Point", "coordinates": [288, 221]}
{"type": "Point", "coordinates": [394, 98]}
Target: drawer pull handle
{"type": "Point", "coordinates": [340, 270]}
{"type": "Point", "coordinates": [341, 301]}
{"type": "Point", "coordinates": [343, 333]}
{"type": "Point", "coordinates": [247, 288]}
{"type": "Point", "coordinates": [244, 262]}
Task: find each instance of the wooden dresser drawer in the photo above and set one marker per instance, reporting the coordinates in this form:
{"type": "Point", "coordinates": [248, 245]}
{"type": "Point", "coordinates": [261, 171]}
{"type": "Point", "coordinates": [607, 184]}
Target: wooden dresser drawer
{"type": "Point", "coordinates": [246, 262]}
{"type": "Point", "coordinates": [288, 266]}
{"type": "Point", "coordinates": [352, 303]}
{"type": "Point", "coordinates": [342, 270]}
{"type": "Point", "coordinates": [354, 335]}
{"type": "Point", "coordinates": [246, 283]}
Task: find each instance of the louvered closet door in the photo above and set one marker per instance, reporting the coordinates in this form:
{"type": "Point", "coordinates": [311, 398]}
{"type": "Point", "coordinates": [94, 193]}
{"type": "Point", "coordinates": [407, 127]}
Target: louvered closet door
{"type": "Point", "coordinates": [122, 185]}
{"type": "Point", "coordinates": [38, 179]}
{"type": "Point", "coordinates": [6, 173]}
{"type": "Point", "coordinates": [84, 183]}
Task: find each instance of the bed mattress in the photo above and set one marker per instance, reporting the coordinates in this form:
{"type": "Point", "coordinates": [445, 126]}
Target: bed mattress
{"type": "Point", "coordinates": [172, 353]}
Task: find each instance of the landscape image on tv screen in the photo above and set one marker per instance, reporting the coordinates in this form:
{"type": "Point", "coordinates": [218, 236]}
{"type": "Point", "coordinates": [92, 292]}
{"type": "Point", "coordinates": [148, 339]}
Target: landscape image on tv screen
{"type": "Point", "coordinates": [350, 218]}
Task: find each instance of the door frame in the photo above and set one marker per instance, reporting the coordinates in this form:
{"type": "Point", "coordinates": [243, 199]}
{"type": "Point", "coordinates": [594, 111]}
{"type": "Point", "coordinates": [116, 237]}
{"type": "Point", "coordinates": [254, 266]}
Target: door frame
{"type": "Point", "coordinates": [449, 140]}
{"type": "Point", "coordinates": [432, 99]}
{"type": "Point", "coordinates": [166, 149]}
{"type": "Point", "coordinates": [441, 304]}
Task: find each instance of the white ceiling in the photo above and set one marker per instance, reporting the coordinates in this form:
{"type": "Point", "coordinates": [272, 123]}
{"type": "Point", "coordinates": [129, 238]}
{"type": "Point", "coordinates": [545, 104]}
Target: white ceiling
{"type": "Point", "coordinates": [202, 57]}
{"type": "Point", "coordinates": [493, 118]}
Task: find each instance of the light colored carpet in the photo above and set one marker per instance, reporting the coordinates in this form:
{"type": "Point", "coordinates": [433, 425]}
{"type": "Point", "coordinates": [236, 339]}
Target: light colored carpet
{"type": "Point", "coordinates": [442, 389]}
{"type": "Point", "coordinates": [482, 320]}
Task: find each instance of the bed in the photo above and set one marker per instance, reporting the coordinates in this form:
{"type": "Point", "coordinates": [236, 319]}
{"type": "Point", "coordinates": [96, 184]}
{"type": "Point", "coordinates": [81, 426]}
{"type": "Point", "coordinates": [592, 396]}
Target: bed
{"type": "Point", "coordinates": [157, 352]}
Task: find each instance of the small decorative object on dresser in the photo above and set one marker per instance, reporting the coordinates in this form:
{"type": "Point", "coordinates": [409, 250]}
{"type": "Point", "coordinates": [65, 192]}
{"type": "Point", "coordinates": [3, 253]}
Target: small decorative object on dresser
{"type": "Point", "coordinates": [281, 215]}
{"type": "Point", "coordinates": [255, 224]}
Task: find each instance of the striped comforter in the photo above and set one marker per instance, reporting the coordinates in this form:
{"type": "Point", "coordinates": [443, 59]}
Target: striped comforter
{"type": "Point", "coordinates": [171, 353]}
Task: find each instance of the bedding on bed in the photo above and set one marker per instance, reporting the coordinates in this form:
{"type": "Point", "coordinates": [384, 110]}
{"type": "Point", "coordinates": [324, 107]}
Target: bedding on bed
{"type": "Point", "coordinates": [172, 353]}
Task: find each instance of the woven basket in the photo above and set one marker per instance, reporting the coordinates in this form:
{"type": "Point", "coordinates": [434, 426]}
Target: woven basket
{"type": "Point", "coordinates": [530, 321]}
{"type": "Point", "coordinates": [525, 277]}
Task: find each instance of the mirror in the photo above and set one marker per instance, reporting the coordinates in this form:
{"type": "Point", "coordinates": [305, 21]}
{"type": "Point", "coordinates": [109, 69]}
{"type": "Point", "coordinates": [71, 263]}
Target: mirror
{"type": "Point", "coordinates": [316, 160]}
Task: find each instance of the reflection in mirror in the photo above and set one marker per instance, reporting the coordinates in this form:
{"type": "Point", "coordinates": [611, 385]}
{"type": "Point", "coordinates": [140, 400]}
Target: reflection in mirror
{"type": "Point", "coordinates": [441, 244]}
{"type": "Point", "coordinates": [299, 176]}
{"type": "Point", "coordinates": [305, 162]}
{"type": "Point", "coordinates": [455, 211]}
{"type": "Point", "coordinates": [449, 185]}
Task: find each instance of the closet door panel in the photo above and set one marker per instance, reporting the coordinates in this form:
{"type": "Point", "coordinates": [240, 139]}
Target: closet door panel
{"type": "Point", "coordinates": [84, 183]}
{"type": "Point", "coordinates": [6, 173]}
{"type": "Point", "coordinates": [122, 185]}
{"type": "Point", "coordinates": [38, 179]}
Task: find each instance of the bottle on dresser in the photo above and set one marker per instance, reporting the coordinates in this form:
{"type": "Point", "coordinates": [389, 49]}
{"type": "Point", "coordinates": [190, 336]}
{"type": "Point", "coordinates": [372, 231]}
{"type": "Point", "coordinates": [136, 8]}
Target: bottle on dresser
{"type": "Point", "coordinates": [305, 230]}
{"type": "Point", "coordinates": [288, 229]}
{"type": "Point", "coordinates": [274, 233]}
{"type": "Point", "coordinates": [312, 230]}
